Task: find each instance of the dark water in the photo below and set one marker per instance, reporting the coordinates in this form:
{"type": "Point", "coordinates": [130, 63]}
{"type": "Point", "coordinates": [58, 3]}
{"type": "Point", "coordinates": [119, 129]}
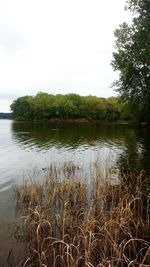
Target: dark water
{"type": "Point", "coordinates": [27, 146]}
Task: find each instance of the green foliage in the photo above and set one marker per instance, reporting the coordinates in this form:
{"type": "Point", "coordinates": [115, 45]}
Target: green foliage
{"type": "Point", "coordinates": [22, 107]}
{"type": "Point", "coordinates": [46, 106]}
{"type": "Point", "coordinates": [132, 59]}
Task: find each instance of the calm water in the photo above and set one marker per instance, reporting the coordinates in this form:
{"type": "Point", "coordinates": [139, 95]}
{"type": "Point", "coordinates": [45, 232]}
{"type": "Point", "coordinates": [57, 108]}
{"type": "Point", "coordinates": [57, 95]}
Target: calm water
{"type": "Point", "coordinates": [27, 146]}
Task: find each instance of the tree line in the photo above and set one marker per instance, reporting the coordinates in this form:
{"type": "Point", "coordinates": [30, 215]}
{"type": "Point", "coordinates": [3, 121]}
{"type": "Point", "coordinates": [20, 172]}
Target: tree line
{"type": "Point", "coordinates": [5, 115]}
{"type": "Point", "coordinates": [44, 106]}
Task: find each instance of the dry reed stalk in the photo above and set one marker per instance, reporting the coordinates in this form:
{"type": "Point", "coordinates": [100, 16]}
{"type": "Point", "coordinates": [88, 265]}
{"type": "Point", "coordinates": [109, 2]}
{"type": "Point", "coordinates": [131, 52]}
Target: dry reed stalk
{"type": "Point", "coordinates": [69, 223]}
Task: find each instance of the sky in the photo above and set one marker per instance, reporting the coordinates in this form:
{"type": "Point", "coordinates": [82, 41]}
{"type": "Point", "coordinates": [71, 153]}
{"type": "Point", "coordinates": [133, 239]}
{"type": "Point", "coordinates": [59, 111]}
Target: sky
{"type": "Point", "coordinates": [57, 46]}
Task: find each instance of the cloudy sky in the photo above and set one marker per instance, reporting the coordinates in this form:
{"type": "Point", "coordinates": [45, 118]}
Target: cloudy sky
{"type": "Point", "coordinates": [57, 46]}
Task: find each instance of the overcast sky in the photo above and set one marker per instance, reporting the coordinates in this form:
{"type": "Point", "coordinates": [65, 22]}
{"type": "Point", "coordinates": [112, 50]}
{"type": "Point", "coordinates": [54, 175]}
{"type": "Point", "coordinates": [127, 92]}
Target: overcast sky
{"type": "Point", "coordinates": [57, 46]}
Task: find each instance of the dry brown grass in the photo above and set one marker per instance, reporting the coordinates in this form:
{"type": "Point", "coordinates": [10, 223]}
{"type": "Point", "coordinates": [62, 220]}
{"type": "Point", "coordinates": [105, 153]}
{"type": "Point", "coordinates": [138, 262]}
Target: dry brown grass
{"type": "Point", "coordinates": [71, 223]}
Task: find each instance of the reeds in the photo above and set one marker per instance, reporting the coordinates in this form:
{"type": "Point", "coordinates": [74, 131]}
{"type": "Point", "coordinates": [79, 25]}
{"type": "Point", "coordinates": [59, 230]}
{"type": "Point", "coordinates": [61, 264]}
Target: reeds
{"type": "Point", "coordinates": [71, 223]}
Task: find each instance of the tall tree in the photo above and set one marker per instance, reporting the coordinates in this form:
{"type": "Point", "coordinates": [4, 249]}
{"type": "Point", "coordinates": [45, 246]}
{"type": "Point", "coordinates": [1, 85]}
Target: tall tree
{"type": "Point", "coordinates": [132, 59]}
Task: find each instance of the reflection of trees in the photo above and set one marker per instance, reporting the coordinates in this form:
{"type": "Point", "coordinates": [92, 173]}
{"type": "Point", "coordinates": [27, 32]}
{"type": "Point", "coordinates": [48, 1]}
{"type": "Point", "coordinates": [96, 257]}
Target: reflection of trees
{"type": "Point", "coordinates": [70, 135]}
{"type": "Point", "coordinates": [136, 156]}
{"type": "Point", "coordinates": [134, 162]}
{"type": "Point", "coordinates": [134, 143]}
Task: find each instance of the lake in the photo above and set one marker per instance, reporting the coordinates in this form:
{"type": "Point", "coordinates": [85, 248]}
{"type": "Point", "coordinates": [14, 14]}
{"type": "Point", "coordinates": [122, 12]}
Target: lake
{"type": "Point", "coordinates": [28, 149]}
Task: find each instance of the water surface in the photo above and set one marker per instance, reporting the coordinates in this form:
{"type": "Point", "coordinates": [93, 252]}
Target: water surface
{"type": "Point", "coordinates": [25, 147]}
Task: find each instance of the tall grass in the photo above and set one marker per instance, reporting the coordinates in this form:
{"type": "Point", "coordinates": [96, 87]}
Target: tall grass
{"type": "Point", "coordinates": [71, 223]}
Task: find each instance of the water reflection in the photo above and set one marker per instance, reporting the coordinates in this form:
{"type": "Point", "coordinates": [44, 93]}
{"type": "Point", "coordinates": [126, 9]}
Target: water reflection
{"type": "Point", "coordinates": [136, 155]}
{"type": "Point", "coordinates": [132, 145]}
{"type": "Point", "coordinates": [69, 135]}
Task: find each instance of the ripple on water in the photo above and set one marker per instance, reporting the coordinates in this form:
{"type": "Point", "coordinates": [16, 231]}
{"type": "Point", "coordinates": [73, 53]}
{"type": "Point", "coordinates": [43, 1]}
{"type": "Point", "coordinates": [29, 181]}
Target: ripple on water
{"type": "Point", "coordinates": [4, 186]}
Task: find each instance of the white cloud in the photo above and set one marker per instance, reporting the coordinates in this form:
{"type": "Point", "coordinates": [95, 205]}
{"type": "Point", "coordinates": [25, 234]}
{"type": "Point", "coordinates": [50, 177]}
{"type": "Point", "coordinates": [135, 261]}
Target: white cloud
{"type": "Point", "coordinates": [57, 46]}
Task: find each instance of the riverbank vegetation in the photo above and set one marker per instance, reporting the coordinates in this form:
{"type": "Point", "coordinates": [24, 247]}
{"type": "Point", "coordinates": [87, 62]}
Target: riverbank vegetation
{"type": "Point", "coordinates": [5, 115]}
{"type": "Point", "coordinates": [44, 106]}
{"type": "Point", "coordinates": [70, 221]}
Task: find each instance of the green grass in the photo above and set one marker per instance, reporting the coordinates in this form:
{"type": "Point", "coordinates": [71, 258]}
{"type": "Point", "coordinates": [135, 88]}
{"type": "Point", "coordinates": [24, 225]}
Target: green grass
{"type": "Point", "coordinates": [72, 222]}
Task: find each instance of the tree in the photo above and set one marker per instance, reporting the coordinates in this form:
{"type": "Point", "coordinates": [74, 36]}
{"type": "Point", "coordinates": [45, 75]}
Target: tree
{"type": "Point", "coordinates": [41, 105]}
{"type": "Point", "coordinates": [22, 107]}
{"type": "Point", "coordinates": [132, 59]}
{"type": "Point", "coordinates": [113, 111]}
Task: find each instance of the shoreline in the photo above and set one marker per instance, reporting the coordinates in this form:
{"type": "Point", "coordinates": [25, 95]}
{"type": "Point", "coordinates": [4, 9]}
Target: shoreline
{"type": "Point", "coordinates": [86, 121]}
